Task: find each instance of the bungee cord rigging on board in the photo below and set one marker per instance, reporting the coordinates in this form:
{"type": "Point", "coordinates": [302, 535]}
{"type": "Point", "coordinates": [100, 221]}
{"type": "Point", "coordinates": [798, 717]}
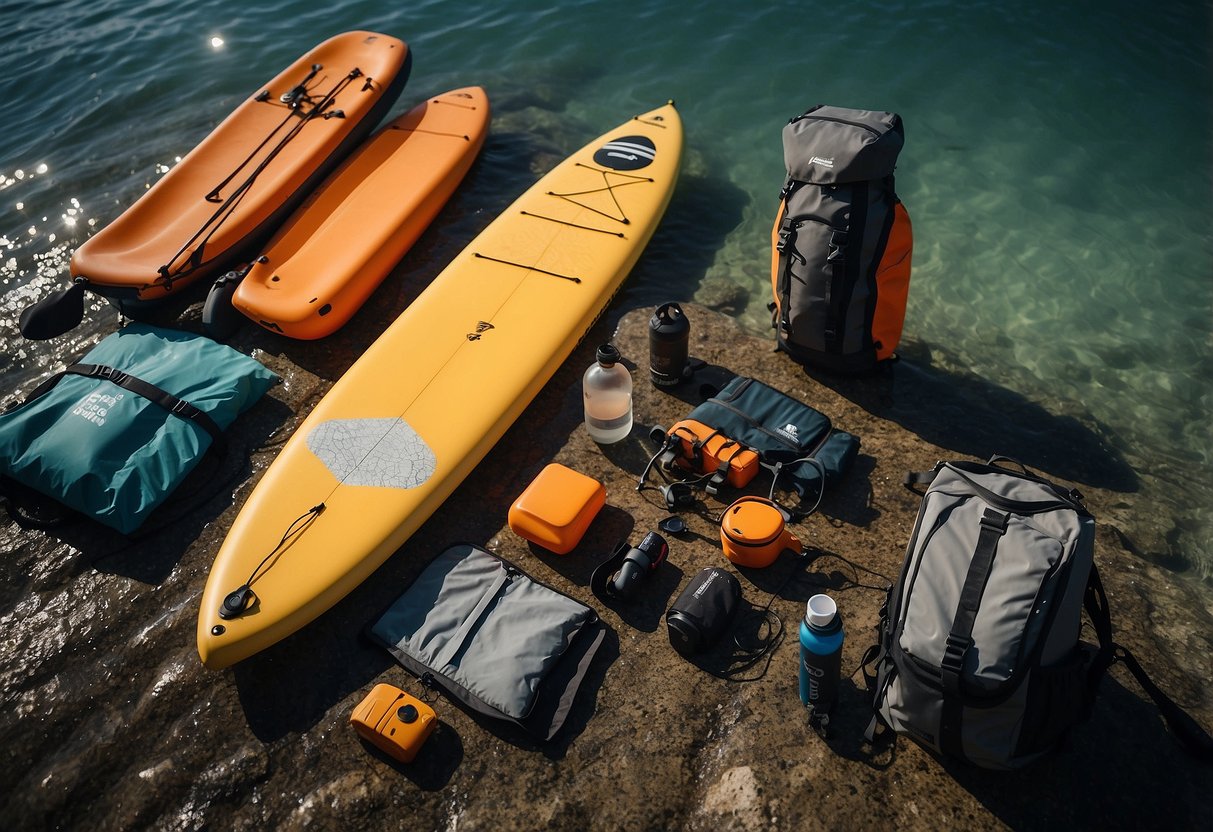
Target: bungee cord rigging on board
{"type": "Point", "coordinates": [304, 102]}
{"type": "Point", "coordinates": [296, 100]}
{"type": "Point", "coordinates": [608, 187]}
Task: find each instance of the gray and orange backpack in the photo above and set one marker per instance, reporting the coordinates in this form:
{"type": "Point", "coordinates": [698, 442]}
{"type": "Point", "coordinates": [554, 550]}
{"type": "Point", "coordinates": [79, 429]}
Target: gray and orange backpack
{"type": "Point", "coordinates": [841, 245]}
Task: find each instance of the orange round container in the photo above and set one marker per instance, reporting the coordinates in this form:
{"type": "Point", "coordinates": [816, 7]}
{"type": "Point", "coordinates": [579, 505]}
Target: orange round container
{"type": "Point", "coordinates": [753, 532]}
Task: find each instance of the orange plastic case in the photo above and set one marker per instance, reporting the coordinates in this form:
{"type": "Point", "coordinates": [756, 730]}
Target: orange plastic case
{"type": "Point", "coordinates": [752, 532]}
{"type": "Point", "coordinates": [714, 449]}
{"type": "Point", "coordinates": [394, 722]}
{"type": "Point", "coordinates": [556, 508]}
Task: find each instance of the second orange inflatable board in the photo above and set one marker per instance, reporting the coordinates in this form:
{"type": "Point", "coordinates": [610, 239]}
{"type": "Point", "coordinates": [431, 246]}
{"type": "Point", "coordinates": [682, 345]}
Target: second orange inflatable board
{"type": "Point", "coordinates": [340, 245]}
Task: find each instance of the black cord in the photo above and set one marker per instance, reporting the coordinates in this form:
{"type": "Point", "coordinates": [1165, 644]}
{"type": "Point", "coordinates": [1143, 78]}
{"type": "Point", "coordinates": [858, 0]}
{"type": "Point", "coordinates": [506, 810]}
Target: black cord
{"type": "Point", "coordinates": [764, 646]}
{"type": "Point", "coordinates": [821, 469]}
{"type": "Point", "coordinates": [295, 526]}
{"type": "Point", "coordinates": [857, 569]}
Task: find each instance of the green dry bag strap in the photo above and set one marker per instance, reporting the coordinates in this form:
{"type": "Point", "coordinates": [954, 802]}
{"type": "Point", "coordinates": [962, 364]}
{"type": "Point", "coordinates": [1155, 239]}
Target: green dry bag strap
{"type": "Point", "coordinates": [178, 407]}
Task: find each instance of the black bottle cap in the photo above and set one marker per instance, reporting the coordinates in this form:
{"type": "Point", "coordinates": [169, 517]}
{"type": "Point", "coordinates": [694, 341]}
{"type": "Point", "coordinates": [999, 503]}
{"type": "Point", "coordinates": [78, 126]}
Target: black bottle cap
{"type": "Point", "coordinates": [407, 713]}
{"type": "Point", "coordinates": [608, 355]}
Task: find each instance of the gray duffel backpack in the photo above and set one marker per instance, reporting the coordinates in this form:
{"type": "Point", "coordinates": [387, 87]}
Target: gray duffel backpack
{"type": "Point", "coordinates": [979, 655]}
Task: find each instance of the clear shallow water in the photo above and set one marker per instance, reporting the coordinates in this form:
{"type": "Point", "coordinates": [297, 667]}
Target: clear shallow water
{"type": "Point", "coordinates": [1058, 168]}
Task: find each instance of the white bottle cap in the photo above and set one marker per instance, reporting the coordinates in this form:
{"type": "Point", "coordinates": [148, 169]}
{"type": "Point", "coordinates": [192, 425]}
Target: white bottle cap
{"type": "Point", "coordinates": [821, 610]}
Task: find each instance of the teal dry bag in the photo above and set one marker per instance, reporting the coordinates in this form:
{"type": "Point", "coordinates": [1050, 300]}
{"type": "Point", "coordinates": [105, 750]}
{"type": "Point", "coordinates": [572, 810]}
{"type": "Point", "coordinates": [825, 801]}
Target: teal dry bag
{"type": "Point", "coordinates": [113, 435]}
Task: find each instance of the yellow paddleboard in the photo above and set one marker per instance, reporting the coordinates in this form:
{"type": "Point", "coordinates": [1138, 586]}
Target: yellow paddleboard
{"type": "Point", "coordinates": [412, 417]}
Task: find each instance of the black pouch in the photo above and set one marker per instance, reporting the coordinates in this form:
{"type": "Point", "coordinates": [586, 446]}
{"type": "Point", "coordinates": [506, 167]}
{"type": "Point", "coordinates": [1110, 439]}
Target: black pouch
{"type": "Point", "coordinates": [703, 611]}
{"type": "Point", "coordinates": [787, 433]}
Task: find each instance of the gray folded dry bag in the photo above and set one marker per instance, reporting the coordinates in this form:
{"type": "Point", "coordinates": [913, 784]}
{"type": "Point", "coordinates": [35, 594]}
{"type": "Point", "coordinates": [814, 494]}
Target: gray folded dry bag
{"type": "Point", "coordinates": [487, 634]}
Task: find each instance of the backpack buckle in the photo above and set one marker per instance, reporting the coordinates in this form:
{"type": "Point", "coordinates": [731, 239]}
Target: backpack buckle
{"type": "Point", "coordinates": [954, 653]}
{"type": "Point", "coordinates": [787, 232]}
{"type": "Point", "coordinates": [994, 520]}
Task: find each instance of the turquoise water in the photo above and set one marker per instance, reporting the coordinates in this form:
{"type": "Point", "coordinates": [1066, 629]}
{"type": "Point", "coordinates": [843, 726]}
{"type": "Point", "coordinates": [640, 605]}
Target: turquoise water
{"type": "Point", "coordinates": [1057, 168]}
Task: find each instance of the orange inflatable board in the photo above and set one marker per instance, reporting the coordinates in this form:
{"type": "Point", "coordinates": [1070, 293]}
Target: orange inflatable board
{"type": "Point", "coordinates": [328, 258]}
{"type": "Point", "coordinates": [423, 405]}
{"type": "Point", "coordinates": [232, 190]}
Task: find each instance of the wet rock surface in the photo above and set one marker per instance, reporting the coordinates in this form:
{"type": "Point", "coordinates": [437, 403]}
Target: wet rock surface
{"type": "Point", "coordinates": [110, 721]}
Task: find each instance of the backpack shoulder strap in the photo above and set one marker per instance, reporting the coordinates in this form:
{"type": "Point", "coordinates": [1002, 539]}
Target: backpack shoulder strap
{"type": "Point", "coordinates": [1195, 740]}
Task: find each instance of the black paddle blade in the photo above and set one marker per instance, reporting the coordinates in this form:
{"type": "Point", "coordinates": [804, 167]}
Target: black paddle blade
{"type": "Point", "coordinates": [220, 319]}
{"type": "Point", "coordinates": [55, 314]}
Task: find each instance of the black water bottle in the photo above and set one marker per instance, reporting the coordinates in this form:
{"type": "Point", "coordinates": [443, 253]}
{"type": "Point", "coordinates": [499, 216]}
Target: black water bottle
{"type": "Point", "coordinates": [669, 331]}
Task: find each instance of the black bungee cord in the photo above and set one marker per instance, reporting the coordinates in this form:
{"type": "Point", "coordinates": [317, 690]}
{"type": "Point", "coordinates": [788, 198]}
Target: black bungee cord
{"type": "Point", "coordinates": [166, 275]}
{"type": "Point", "coordinates": [238, 600]}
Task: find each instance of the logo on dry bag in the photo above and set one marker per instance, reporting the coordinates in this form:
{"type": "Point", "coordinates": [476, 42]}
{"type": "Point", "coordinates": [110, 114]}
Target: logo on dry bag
{"type": "Point", "coordinates": [627, 153]}
{"type": "Point", "coordinates": [95, 407]}
{"type": "Point", "coordinates": [790, 432]}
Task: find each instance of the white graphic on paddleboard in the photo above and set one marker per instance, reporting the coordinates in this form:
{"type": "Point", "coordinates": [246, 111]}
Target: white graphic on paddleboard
{"type": "Point", "coordinates": [627, 153]}
{"type": "Point", "coordinates": [384, 453]}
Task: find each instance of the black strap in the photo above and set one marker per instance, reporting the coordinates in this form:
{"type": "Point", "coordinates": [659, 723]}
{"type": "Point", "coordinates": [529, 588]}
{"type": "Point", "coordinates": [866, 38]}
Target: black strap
{"type": "Point", "coordinates": [1187, 731]}
{"type": "Point", "coordinates": [916, 478]}
{"type": "Point", "coordinates": [1096, 603]}
{"type": "Point", "coordinates": [845, 257]}
{"type": "Point", "coordinates": [997, 458]}
{"type": "Point", "coordinates": [1191, 735]}
{"type": "Point", "coordinates": [178, 407]}
{"type": "Point", "coordinates": [30, 509]}
{"type": "Point", "coordinates": [960, 639]}
{"type": "Point", "coordinates": [779, 467]}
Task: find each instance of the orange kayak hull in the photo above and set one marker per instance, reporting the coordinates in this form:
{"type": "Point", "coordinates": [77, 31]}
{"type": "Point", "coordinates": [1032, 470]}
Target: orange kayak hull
{"type": "Point", "coordinates": [226, 197]}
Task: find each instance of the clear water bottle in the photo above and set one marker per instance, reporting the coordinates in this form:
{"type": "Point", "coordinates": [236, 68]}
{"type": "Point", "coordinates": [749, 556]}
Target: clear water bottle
{"type": "Point", "coordinates": [607, 391]}
{"type": "Point", "coordinates": [820, 659]}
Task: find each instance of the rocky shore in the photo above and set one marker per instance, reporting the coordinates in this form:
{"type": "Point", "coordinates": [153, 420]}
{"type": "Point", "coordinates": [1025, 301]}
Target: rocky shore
{"type": "Point", "coordinates": [109, 721]}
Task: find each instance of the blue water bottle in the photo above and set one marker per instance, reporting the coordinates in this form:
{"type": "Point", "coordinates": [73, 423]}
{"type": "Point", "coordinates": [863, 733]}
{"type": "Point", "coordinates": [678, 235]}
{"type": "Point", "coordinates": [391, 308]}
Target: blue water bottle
{"type": "Point", "coordinates": [820, 659]}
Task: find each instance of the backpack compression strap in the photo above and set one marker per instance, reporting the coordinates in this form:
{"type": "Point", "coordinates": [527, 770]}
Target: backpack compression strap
{"type": "Point", "coordinates": [960, 639]}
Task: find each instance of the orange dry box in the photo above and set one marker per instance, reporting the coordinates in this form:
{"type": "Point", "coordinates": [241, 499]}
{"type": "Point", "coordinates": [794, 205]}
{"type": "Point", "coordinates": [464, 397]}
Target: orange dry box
{"type": "Point", "coordinates": [556, 508]}
{"type": "Point", "coordinates": [707, 450]}
{"type": "Point", "coordinates": [394, 722]}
